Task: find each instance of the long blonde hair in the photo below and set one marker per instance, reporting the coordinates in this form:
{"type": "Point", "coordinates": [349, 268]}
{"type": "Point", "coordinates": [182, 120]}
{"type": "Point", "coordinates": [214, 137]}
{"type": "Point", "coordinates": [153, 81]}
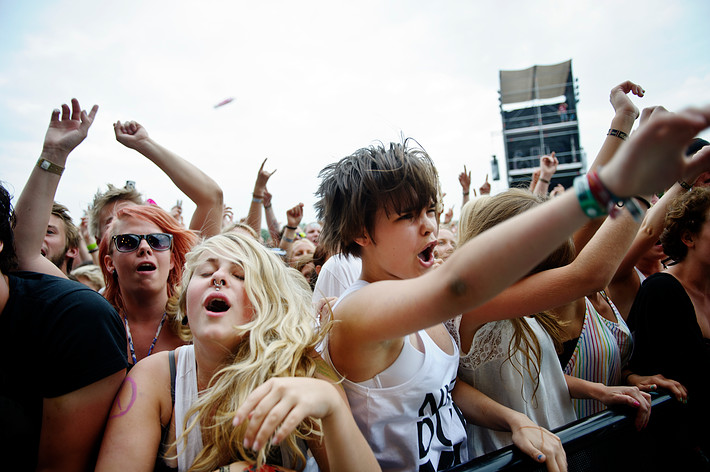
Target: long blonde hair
{"type": "Point", "coordinates": [279, 341]}
{"type": "Point", "coordinates": [478, 216]}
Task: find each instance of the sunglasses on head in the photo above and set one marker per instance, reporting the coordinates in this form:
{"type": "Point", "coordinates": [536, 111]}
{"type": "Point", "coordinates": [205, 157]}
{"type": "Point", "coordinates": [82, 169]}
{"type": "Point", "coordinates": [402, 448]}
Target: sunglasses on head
{"type": "Point", "coordinates": [130, 242]}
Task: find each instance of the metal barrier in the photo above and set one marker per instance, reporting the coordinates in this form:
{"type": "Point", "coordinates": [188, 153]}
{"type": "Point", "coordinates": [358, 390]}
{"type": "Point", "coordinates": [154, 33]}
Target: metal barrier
{"type": "Point", "coordinates": [607, 441]}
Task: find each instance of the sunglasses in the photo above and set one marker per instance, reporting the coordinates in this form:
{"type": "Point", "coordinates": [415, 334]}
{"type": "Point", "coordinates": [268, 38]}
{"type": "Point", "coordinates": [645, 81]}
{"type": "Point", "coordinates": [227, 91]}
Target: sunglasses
{"type": "Point", "coordinates": [130, 242]}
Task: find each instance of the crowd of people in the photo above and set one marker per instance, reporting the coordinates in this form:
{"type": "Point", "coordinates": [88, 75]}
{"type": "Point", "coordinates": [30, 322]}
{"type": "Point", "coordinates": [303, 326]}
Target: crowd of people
{"type": "Point", "coordinates": [384, 336]}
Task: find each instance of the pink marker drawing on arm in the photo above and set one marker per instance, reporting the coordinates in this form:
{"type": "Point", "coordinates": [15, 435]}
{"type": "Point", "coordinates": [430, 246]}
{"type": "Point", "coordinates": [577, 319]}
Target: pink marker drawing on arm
{"type": "Point", "coordinates": [122, 411]}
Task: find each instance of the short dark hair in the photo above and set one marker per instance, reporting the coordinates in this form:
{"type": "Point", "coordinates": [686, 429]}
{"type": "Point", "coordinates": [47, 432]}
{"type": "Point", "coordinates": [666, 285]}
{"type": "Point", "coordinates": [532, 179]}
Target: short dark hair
{"type": "Point", "coordinates": [399, 178]}
{"type": "Point", "coordinates": [8, 256]}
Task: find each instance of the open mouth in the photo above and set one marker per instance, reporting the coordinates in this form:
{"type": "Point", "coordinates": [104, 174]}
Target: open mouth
{"type": "Point", "coordinates": [146, 267]}
{"type": "Point", "coordinates": [217, 305]}
{"type": "Point", "coordinates": [427, 255]}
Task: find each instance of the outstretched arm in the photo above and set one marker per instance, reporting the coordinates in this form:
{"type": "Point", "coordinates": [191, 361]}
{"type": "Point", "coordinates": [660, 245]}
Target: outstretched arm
{"type": "Point", "coordinates": [65, 132]}
{"type": "Point", "coordinates": [589, 272]}
{"type": "Point", "coordinates": [651, 159]}
{"type": "Point", "coordinates": [191, 181]}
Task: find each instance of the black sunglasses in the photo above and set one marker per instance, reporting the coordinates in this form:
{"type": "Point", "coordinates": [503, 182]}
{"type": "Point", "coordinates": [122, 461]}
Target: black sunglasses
{"type": "Point", "coordinates": [129, 242]}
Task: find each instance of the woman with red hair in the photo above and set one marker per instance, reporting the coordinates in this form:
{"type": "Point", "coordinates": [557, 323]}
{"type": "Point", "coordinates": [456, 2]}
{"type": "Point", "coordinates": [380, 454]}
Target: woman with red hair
{"type": "Point", "coordinates": [142, 261]}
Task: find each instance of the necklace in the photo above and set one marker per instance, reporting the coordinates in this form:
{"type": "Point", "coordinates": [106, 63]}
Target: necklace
{"type": "Point", "coordinates": [130, 339]}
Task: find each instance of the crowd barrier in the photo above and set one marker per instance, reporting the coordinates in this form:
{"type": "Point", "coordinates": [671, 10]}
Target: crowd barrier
{"type": "Point", "coordinates": [607, 441]}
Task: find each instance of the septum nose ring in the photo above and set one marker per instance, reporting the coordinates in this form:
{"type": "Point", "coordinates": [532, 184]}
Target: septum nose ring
{"type": "Point", "coordinates": [217, 285]}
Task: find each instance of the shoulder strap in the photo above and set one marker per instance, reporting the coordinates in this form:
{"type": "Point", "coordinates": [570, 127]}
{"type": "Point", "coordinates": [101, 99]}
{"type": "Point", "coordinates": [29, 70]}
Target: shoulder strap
{"type": "Point", "coordinates": [171, 360]}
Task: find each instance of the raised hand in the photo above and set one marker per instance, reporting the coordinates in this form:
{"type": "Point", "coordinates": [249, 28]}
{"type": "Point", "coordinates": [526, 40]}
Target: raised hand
{"type": "Point", "coordinates": [548, 165]}
{"type": "Point", "coordinates": [557, 191]}
{"type": "Point", "coordinates": [67, 131]}
{"type": "Point", "coordinates": [448, 216]}
{"type": "Point", "coordinates": [295, 215]}
{"type": "Point", "coordinates": [227, 215]}
{"type": "Point", "coordinates": [465, 180]}
{"type": "Point", "coordinates": [653, 157]}
{"type": "Point", "coordinates": [267, 197]}
{"type": "Point", "coordinates": [485, 189]}
{"type": "Point", "coordinates": [620, 100]}
{"type": "Point", "coordinates": [261, 179]}
{"type": "Point", "coordinates": [131, 133]}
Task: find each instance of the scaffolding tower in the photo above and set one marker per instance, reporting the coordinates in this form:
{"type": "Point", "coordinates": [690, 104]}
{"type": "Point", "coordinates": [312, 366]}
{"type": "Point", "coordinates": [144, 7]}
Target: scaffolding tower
{"type": "Point", "coordinates": [538, 107]}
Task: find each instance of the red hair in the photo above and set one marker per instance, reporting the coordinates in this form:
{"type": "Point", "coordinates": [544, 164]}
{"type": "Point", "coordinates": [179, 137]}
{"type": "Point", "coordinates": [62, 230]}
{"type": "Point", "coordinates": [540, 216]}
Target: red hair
{"type": "Point", "coordinates": [183, 241]}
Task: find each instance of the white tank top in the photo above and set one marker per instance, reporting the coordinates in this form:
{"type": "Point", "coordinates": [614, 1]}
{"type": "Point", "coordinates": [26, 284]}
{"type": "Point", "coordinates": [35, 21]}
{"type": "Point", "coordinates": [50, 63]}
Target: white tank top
{"type": "Point", "coordinates": [413, 425]}
{"type": "Point", "coordinates": [185, 395]}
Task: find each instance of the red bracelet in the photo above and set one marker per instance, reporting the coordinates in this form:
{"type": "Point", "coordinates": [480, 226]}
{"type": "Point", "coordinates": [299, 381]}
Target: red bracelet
{"type": "Point", "coordinates": [602, 195]}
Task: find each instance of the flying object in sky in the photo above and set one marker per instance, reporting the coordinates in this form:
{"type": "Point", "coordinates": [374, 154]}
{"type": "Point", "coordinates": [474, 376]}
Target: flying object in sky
{"type": "Point", "coordinates": [224, 102]}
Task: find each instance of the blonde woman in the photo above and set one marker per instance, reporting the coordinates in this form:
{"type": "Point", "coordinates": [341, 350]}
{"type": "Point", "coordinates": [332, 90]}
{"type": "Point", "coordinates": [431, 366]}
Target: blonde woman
{"type": "Point", "coordinates": [514, 361]}
{"type": "Point", "coordinates": [249, 390]}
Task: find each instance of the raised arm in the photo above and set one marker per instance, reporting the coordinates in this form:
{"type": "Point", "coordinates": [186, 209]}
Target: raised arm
{"type": "Point", "coordinates": [67, 129]}
{"type": "Point", "coordinates": [293, 219]}
{"type": "Point", "coordinates": [625, 114]}
{"type": "Point", "coordinates": [485, 188]}
{"type": "Point", "coordinates": [193, 182]}
{"type": "Point", "coordinates": [548, 167]}
{"type": "Point", "coordinates": [589, 272]}
{"type": "Point", "coordinates": [465, 181]}
{"type": "Point", "coordinates": [651, 159]}
{"type": "Point", "coordinates": [257, 200]}
{"type": "Point", "coordinates": [625, 282]}
{"type": "Point", "coordinates": [271, 222]}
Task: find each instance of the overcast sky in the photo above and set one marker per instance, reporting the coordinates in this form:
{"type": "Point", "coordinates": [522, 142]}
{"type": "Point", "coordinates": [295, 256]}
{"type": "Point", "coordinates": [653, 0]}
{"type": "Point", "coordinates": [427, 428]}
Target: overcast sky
{"type": "Point", "coordinates": [313, 81]}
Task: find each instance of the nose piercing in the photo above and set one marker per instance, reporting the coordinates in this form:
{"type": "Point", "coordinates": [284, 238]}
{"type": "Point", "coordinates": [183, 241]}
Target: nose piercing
{"type": "Point", "coordinates": [217, 285]}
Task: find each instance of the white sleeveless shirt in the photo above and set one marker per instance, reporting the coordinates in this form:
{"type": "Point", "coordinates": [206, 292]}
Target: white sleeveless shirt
{"type": "Point", "coordinates": [413, 425]}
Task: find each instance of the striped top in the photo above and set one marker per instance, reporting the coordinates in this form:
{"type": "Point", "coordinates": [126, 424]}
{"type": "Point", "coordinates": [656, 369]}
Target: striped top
{"type": "Point", "coordinates": [598, 355]}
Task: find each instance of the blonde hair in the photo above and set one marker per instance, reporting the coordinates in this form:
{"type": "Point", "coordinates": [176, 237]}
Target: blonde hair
{"type": "Point", "coordinates": [279, 341]}
{"type": "Point", "coordinates": [479, 215]}
{"type": "Point", "coordinates": [92, 273]}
